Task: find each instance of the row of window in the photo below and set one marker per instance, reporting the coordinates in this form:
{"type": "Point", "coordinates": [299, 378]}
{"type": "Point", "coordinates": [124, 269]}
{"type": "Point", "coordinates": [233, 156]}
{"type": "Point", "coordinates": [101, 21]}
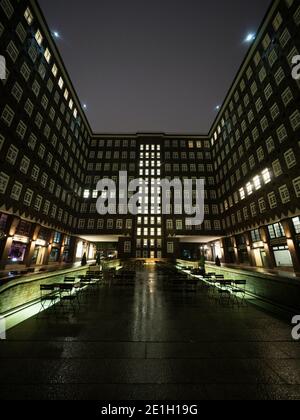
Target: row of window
{"type": "Point", "coordinates": [262, 205]}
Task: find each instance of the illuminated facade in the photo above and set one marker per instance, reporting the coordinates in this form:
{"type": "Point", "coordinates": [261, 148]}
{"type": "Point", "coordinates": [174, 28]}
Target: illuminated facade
{"type": "Point", "coordinates": [51, 160]}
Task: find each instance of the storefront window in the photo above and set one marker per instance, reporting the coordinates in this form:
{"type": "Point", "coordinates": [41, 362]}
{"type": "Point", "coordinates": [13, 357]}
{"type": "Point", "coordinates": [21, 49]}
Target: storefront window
{"type": "Point", "coordinates": [17, 252]}
{"type": "Point", "coordinates": [276, 231]}
{"type": "Point", "coordinates": [57, 238]}
{"type": "Point", "coordinates": [255, 235]}
{"type": "Point", "coordinates": [3, 222]}
{"type": "Point", "coordinates": [54, 255]}
{"type": "Point", "coordinates": [67, 241]}
{"type": "Point", "coordinates": [296, 222]}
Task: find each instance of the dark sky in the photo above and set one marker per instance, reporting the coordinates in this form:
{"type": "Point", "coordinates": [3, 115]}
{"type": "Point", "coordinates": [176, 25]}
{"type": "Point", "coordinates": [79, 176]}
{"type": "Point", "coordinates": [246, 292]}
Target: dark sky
{"type": "Point", "coordinates": [153, 65]}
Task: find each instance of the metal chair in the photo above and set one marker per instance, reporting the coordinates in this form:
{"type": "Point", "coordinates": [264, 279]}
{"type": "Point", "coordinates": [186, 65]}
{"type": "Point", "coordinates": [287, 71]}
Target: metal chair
{"type": "Point", "coordinates": [49, 297]}
{"type": "Point", "coordinates": [239, 291]}
{"type": "Point", "coordinates": [69, 296]}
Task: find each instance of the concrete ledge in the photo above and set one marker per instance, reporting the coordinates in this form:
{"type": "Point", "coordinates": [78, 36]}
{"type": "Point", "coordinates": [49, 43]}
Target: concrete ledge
{"type": "Point", "coordinates": [282, 291]}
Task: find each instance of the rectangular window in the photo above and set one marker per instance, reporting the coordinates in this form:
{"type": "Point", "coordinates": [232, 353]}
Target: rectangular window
{"type": "Point", "coordinates": [4, 179]}
{"type": "Point", "coordinates": [276, 231]}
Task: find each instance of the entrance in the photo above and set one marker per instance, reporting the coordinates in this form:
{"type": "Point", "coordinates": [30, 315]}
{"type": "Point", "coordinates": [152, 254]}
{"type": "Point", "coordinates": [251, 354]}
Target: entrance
{"type": "Point", "coordinates": [38, 256]}
{"type": "Point", "coordinates": [282, 256]}
{"type": "Point", "coordinates": [258, 258]}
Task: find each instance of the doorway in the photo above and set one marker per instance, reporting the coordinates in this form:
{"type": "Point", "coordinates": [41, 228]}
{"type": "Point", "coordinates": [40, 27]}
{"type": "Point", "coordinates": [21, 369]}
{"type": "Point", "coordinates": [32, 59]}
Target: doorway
{"type": "Point", "coordinates": [40, 255]}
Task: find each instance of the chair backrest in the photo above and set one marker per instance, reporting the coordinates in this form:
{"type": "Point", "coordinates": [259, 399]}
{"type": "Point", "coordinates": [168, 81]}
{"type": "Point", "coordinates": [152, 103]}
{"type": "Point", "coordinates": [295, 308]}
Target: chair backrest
{"type": "Point", "coordinates": [240, 282]}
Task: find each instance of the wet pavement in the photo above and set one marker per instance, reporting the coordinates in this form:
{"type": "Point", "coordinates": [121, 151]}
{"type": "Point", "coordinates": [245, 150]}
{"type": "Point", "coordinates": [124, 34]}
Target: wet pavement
{"type": "Point", "coordinates": [144, 342]}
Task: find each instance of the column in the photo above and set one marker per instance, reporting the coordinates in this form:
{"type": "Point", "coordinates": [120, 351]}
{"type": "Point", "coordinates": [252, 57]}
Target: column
{"type": "Point", "coordinates": [236, 251]}
{"type": "Point", "coordinates": [292, 243]}
{"type": "Point", "coordinates": [34, 234]}
{"type": "Point", "coordinates": [267, 247]}
{"type": "Point", "coordinates": [225, 253]}
{"type": "Point", "coordinates": [249, 250]}
{"type": "Point", "coordinates": [6, 243]}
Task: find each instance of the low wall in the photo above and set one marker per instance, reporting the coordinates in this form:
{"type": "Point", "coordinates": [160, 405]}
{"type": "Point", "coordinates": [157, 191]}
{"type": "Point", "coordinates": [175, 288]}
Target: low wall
{"type": "Point", "coordinates": [25, 290]}
{"type": "Point", "coordinates": [192, 264]}
{"type": "Point", "coordinates": [283, 291]}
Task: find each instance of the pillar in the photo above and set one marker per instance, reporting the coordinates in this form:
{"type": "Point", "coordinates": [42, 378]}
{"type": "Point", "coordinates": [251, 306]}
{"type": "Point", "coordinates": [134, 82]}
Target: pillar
{"type": "Point", "coordinates": [249, 250]}
{"type": "Point", "coordinates": [236, 251]}
{"type": "Point", "coordinates": [34, 234]}
{"type": "Point", "coordinates": [267, 247]}
{"type": "Point", "coordinates": [292, 243]}
{"type": "Point", "coordinates": [225, 253]}
{"type": "Point", "coordinates": [6, 242]}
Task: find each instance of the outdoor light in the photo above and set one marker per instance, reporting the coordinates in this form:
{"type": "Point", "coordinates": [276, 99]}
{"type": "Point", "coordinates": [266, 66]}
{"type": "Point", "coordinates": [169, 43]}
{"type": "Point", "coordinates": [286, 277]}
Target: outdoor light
{"type": "Point", "coordinates": [250, 37]}
{"type": "Point", "coordinates": [84, 106]}
{"type": "Point", "coordinates": [218, 107]}
{"type": "Point", "coordinates": [56, 34]}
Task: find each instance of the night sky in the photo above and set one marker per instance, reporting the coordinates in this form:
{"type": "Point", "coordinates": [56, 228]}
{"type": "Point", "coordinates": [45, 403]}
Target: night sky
{"type": "Point", "coordinates": [153, 65]}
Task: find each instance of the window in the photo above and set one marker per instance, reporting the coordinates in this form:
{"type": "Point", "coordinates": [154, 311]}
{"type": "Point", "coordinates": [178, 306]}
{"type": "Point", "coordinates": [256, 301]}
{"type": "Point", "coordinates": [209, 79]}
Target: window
{"type": "Point", "coordinates": [127, 247]}
{"type": "Point", "coordinates": [7, 8]}
{"type": "Point", "coordinates": [54, 70]}
{"type": "Point", "coordinates": [28, 16]}
{"type": "Point", "coordinates": [266, 176]}
{"type": "Point", "coordinates": [249, 188]}
{"type": "Point", "coordinates": [39, 37]}
{"type": "Point", "coordinates": [7, 115]}
{"type": "Point", "coordinates": [262, 205]}
{"type": "Point", "coordinates": [257, 183]}
{"type": "Point", "coordinates": [86, 194]}
{"type": "Point", "coordinates": [21, 130]}
{"type": "Point", "coordinates": [295, 120]}
{"type": "Point", "coordinates": [61, 83]}
{"type": "Point", "coordinates": [296, 184]}
{"type": "Point", "coordinates": [24, 165]}
{"type": "Point", "coordinates": [242, 194]}
{"type": "Point", "coordinates": [296, 223]}
{"type": "Point", "coordinates": [255, 235]}
{"type": "Point", "coordinates": [57, 237]}
{"type": "Point", "coordinates": [272, 200]}
{"type": "Point", "coordinates": [284, 194]}
{"type": "Point", "coordinates": [290, 158]}
{"type": "Point", "coordinates": [276, 231]}
{"type": "Point", "coordinates": [12, 155]}
{"type": "Point", "coordinates": [4, 179]}
{"type": "Point", "coordinates": [28, 197]}
{"type": "Point", "coordinates": [16, 191]}
{"type": "Point", "coordinates": [170, 247]}
{"type": "Point", "coordinates": [47, 55]}
{"type": "Point", "coordinates": [277, 168]}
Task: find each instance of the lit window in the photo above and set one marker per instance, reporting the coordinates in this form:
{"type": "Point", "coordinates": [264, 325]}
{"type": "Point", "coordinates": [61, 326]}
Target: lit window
{"type": "Point", "coordinates": [257, 183]}
{"type": "Point", "coordinates": [266, 176]}
{"type": "Point", "coordinates": [61, 83]}
{"type": "Point", "coordinates": [71, 104]}
{"type": "Point", "coordinates": [66, 94]}
{"type": "Point", "coordinates": [296, 222]}
{"type": "Point", "coordinates": [242, 194]}
{"type": "Point", "coordinates": [86, 194]}
{"type": "Point", "coordinates": [39, 37]}
{"type": "Point", "coordinates": [54, 70]}
{"type": "Point", "coordinates": [28, 16]}
{"type": "Point", "coordinates": [47, 55]}
{"type": "Point", "coordinates": [249, 188]}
